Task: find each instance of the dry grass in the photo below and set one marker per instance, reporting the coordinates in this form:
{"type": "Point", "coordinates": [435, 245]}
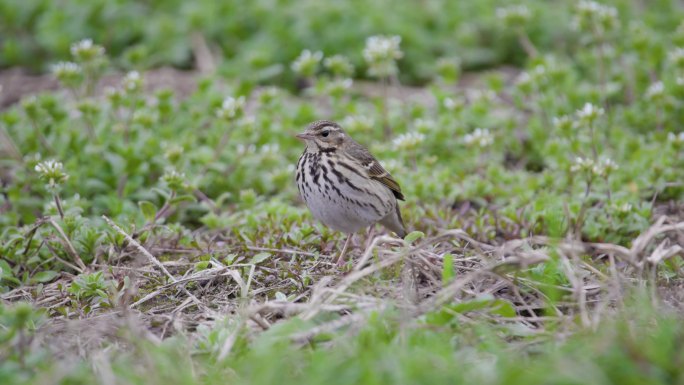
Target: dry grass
{"type": "Point", "coordinates": [168, 296]}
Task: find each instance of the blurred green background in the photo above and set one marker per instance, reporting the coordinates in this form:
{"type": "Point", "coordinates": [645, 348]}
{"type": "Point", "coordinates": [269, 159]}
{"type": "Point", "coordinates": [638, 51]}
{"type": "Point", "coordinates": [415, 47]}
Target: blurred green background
{"type": "Point", "coordinates": [260, 38]}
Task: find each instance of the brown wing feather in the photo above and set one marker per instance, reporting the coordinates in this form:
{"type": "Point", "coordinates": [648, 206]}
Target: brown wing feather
{"type": "Point", "coordinates": [375, 170]}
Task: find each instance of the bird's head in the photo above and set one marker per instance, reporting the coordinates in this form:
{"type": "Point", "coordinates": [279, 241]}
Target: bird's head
{"type": "Point", "coordinates": [323, 135]}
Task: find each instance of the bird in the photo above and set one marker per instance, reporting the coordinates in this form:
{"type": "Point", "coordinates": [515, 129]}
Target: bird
{"type": "Point", "coordinates": [343, 185]}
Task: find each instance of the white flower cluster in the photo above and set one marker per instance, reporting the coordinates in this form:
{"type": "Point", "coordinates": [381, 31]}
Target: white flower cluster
{"type": "Point", "coordinates": [601, 168]}
{"type": "Point", "coordinates": [589, 113]}
{"type": "Point", "coordinates": [593, 17]}
{"type": "Point", "coordinates": [65, 69]}
{"type": "Point", "coordinates": [53, 172]}
{"type": "Point", "coordinates": [174, 179]}
{"type": "Point", "coordinates": [514, 16]}
{"type": "Point", "coordinates": [339, 65]}
{"type": "Point", "coordinates": [408, 141]}
{"type": "Point", "coordinates": [452, 104]}
{"type": "Point", "coordinates": [655, 91]}
{"type": "Point", "coordinates": [306, 64]}
{"type": "Point", "coordinates": [623, 208]}
{"type": "Point", "coordinates": [676, 138]}
{"type": "Point", "coordinates": [424, 125]}
{"type": "Point", "coordinates": [676, 57]}
{"type": "Point", "coordinates": [381, 54]}
{"type": "Point", "coordinates": [85, 50]}
{"type": "Point", "coordinates": [532, 79]}
{"type": "Point", "coordinates": [231, 108]}
{"type": "Point", "coordinates": [339, 85]}
{"type": "Point", "coordinates": [132, 82]}
{"type": "Point", "coordinates": [479, 137]}
{"type": "Point", "coordinates": [358, 123]}
{"type": "Point", "coordinates": [563, 123]}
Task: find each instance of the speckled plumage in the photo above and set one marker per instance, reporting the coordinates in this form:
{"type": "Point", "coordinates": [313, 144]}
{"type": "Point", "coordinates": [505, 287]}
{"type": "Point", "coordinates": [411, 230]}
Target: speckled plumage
{"type": "Point", "coordinates": [343, 185]}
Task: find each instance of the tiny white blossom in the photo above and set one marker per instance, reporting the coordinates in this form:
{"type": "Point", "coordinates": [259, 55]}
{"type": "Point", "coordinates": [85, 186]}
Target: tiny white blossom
{"type": "Point", "coordinates": [358, 123]}
{"type": "Point", "coordinates": [655, 90]}
{"type": "Point", "coordinates": [65, 69]}
{"type": "Point", "coordinates": [174, 179]}
{"type": "Point", "coordinates": [86, 50]}
{"type": "Point", "coordinates": [608, 165]}
{"type": "Point", "coordinates": [676, 138]}
{"type": "Point", "coordinates": [409, 140]}
{"type": "Point", "coordinates": [381, 54]}
{"type": "Point", "coordinates": [339, 65]}
{"type": "Point", "coordinates": [676, 57]}
{"type": "Point", "coordinates": [231, 108]}
{"type": "Point", "coordinates": [52, 171]}
{"type": "Point", "coordinates": [589, 113]}
{"type": "Point", "coordinates": [582, 164]}
{"type": "Point", "coordinates": [563, 123]}
{"type": "Point", "coordinates": [132, 82]}
{"type": "Point", "coordinates": [306, 64]}
{"type": "Point", "coordinates": [424, 125]}
{"type": "Point", "coordinates": [270, 149]}
{"type": "Point", "coordinates": [479, 137]}
{"type": "Point", "coordinates": [595, 17]}
{"type": "Point", "coordinates": [514, 16]}
{"type": "Point", "coordinates": [450, 104]}
{"type": "Point", "coordinates": [339, 86]}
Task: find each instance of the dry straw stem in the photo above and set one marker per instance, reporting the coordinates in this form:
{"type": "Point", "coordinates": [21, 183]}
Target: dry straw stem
{"type": "Point", "coordinates": [152, 259]}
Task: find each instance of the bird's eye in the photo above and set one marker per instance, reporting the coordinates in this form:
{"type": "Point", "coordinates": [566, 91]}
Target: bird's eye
{"type": "Point", "coordinates": [325, 133]}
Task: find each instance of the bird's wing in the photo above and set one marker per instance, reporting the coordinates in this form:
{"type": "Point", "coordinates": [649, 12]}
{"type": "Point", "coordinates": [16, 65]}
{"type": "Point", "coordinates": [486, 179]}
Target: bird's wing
{"type": "Point", "coordinates": [375, 169]}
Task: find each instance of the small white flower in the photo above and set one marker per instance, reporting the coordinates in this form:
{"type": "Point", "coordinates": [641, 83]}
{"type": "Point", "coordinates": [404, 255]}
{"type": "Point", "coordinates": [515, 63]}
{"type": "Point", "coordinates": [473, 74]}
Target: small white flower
{"type": "Point", "coordinates": [409, 140]}
{"type": "Point", "coordinates": [174, 179]}
{"type": "Point", "coordinates": [339, 86]}
{"type": "Point", "coordinates": [595, 18]}
{"type": "Point", "coordinates": [358, 123]}
{"type": "Point", "coordinates": [479, 137]}
{"type": "Point", "coordinates": [270, 149]}
{"type": "Point", "coordinates": [339, 65]}
{"type": "Point", "coordinates": [381, 54]}
{"type": "Point", "coordinates": [676, 57]}
{"type": "Point", "coordinates": [623, 208]}
{"type": "Point", "coordinates": [582, 164]}
{"type": "Point", "coordinates": [589, 113]}
{"type": "Point", "coordinates": [424, 125]}
{"type": "Point", "coordinates": [52, 172]}
{"type": "Point", "coordinates": [306, 64]}
{"type": "Point", "coordinates": [563, 123]}
{"type": "Point", "coordinates": [608, 165]}
{"type": "Point", "coordinates": [132, 82]}
{"type": "Point", "coordinates": [514, 16]}
{"type": "Point", "coordinates": [450, 104]}
{"type": "Point", "coordinates": [231, 108]}
{"type": "Point", "coordinates": [478, 95]}
{"type": "Point", "coordinates": [655, 90]}
{"type": "Point", "coordinates": [65, 69]}
{"type": "Point", "coordinates": [85, 50]}
{"type": "Point", "coordinates": [676, 138]}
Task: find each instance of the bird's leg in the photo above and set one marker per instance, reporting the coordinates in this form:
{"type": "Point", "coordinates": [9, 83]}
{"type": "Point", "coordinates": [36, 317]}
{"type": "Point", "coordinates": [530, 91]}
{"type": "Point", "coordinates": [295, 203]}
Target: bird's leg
{"type": "Point", "coordinates": [341, 260]}
{"type": "Point", "coordinates": [369, 237]}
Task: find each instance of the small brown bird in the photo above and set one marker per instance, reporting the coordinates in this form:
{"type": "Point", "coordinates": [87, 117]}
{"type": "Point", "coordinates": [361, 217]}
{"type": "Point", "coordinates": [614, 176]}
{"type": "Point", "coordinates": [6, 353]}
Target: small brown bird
{"type": "Point", "coordinates": [343, 185]}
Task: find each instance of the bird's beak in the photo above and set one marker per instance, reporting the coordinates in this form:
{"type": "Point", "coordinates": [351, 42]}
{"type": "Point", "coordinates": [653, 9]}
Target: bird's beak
{"type": "Point", "coordinates": [304, 136]}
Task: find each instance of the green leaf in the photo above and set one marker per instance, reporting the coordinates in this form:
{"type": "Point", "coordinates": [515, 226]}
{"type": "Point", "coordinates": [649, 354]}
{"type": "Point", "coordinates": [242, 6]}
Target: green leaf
{"type": "Point", "coordinates": [148, 209]}
{"type": "Point", "coordinates": [448, 273]}
{"type": "Point", "coordinates": [202, 265]}
{"type": "Point", "coordinates": [183, 198]}
{"type": "Point", "coordinates": [44, 276]}
{"type": "Point", "coordinates": [413, 236]}
{"type": "Point", "coordinates": [259, 258]}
